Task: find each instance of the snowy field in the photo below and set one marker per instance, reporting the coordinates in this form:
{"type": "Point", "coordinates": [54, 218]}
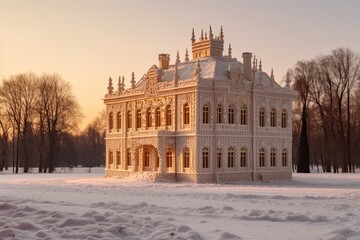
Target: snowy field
{"type": "Point", "coordinates": [88, 206]}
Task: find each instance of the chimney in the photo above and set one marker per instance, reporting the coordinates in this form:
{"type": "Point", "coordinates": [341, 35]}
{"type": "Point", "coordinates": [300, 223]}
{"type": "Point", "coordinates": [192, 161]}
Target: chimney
{"type": "Point", "coordinates": [247, 65]}
{"type": "Point", "coordinates": [164, 60]}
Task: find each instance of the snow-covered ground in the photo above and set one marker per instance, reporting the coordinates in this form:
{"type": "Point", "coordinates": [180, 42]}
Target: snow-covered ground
{"type": "Point", "coordinates": [89, 206]}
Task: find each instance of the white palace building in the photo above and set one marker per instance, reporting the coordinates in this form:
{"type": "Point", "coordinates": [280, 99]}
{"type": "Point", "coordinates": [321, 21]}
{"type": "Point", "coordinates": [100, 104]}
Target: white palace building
{"type": "Point", "coordinates": [209, 119]}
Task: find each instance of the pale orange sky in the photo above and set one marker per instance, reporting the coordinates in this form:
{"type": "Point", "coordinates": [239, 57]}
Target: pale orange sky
{"type": "Point", "coordinates": [87, 41]}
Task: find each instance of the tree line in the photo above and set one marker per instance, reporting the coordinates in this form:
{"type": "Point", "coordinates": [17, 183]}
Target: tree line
{"type": "Point", "coordinates": [326, 129]}
{"type": "Point", "coordinates": [39, 119]}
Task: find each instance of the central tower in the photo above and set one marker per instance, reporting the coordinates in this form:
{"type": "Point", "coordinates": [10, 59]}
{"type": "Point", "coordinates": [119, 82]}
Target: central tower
{"type": "Point", "coordinates": [207, 46]}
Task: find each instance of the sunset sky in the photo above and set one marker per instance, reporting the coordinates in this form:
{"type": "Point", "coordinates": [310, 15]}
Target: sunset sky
{"type": "Point", "coordinates": [87, 41]}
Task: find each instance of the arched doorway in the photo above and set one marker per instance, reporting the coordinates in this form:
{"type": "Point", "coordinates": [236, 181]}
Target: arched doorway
{"type": "Point", "coordinates": [148, 158]}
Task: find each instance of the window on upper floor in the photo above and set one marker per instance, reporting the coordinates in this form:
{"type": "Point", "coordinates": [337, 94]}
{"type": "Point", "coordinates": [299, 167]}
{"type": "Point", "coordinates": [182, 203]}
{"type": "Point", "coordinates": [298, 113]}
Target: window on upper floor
{"type": "Point", "coordinates": [231, 114]}
{"type": "Point", "coordinates": [243, 115]}
{"type": "Point", "coordinates": [129, 119]}
{"type": "Point", "coordinates": [206, 114]}
{"type": "Point", "coordinates": [118, 120]}
{"type": "Point", "coordinates": [111, 121]}
{"type": "Point", "coordinates": [273, 118]}
{"type": "Point", "coordinates": [284, 119]}
{"type": "Point", "coordinates": [148, 118]}
{"type": "Point", "coordinates": [219, 113]}
{"type": "Point", "coordinates": [262, 117]}
{"type": "Point", "coordinates": [138, 119]}
{"type": "Point", "coordinates": [158, 117]}
{"type": "Point", "coordinates": [168, 115]}
{"type": "Point", "coordinates": [186, 113]}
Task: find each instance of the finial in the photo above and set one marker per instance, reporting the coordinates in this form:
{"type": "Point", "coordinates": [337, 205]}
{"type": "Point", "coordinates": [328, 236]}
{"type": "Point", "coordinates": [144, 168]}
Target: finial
{"type": "Point", "coordinates": [205, 35]}
{"type": "Point", "coordinates": [254, 63]}
{"type": "Point", "coordinates": [211, 35]}
{"type": "Point", "coordinates": [272, 74]}
{"type": "Point", "coordinates": [186, 56]}
{"type": "Point", "coordinates": [229, 54]}
{"type": "Point", "coordinates": [132, 80]}
{"type": "Point", "coordinates": [197, 69]}
{"type": "Point", "coordinates": [119, 85]}
{"type": "Point", "coordinates": [221, 35]}
{"type": "Point", "coordinates": [260, 66]}
{"type": "Point", "coordinates": [288, 81]}
{"type": "Point", "coordinates": [202, 35]}
{"type": "Point", "coordinates": [123, 83]}
{"type": "Point", "coordinates": [110, 87]}
{"type": "Point", "coordinates": [193, 36]}
{"type": "Point", "coordinates": [177, 62]}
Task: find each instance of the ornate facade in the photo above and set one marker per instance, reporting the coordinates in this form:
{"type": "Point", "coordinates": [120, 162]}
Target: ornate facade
{"type": "Point", "coordinates": [209, 119]}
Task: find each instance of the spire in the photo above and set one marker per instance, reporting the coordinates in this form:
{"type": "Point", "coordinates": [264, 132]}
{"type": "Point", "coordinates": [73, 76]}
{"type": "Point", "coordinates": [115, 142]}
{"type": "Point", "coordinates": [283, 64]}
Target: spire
{"type": "Point", "coordinates": [202, 35]}
{"type": "Point", "coordinates": [197, 69]}
{"type": "Point", "coordinates": [132, 80]}
{"type": "Point", "coordinates": [177, 62]}
{"type": "Point", "coordinates": [186, 56]}
{"type": "Point", "coordinates": [229, 54]}
{"type": "Point", "coordinates": [272, 74]}
{"type": "Point", "coordinates": [119, 85]}
{"type": "Point", "coordinates": [254, 63]}
{"type": "Point", "coordinates": [288, 81]}
{"type": "Point", "coordinates": [205, 35]}
{"type": "Point", "coordinates": [211, 35]}
{"type": "Point", "coordinates": [193, 36]}
{"type": "Point", "coordinates": [260, 66]}
{"type": "Point", "coordinates": [123, 83]}
{"type": "Point", "coordinates": [110, 87]}
{"type": "Point", "coordinates": [221, 35]}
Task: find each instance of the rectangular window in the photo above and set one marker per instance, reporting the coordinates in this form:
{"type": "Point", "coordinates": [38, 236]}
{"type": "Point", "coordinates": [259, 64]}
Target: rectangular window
{"type": "Point", "coordinates": [218, 156]}
{"type": "Point", "coordinates": [283, 119]}
{"type": "Point", "coordinates": [138, 119]}
{"type": "Point", "coordinates": [111, 157]}
{"type": "Point", "coordinates": [231, 159]}
{"type": "Point", "coordinates": [231, 115]}
{"type": "Point", "coordinates": [243, 158]}
{"type": "Point", "coordinates": [284, 159]}
{"type": "Point", "coordinates": [168, 116]}
{"type": "Point", "coordinates": [219, 114]}
{"type": "Point", "coordinates": [262, 159]}
{"type": "Point", "coordinates": [118, 162]}
{"type": "Point", "coordinates": [147, 159]}
{"type": "Point", "coordinates": [272, 159]}
{"type": "Point", "coordinates": [205, 159]}
{"type": "Point", "coordinates": [169, 159]}
{"type": "Point", "coordinates": [186, 114]}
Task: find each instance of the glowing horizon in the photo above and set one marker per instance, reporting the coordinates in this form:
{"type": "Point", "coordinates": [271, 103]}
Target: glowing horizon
{"type": "Point", "coordinates": [86, 42]}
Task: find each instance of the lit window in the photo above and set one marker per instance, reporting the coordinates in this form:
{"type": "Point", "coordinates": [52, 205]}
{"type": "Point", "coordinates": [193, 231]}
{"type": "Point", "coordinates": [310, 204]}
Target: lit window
{"type": "Point", "coordinates": [262, 158]}
{"type": "Point", "coordinates": [205, 158]}
{"type": "Point", "coordinates": [243, 157]}
{"type": "Point", "coordinates": [230, 157]}
{"type": "Point", "coordinates": [273, 158]}
{"type": "Point", "coordinates": [231, 115]}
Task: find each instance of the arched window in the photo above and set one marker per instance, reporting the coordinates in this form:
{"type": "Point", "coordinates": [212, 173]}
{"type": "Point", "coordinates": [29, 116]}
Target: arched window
{"type": "Point", "coordinates": [148, 118]}
{"type": "Point", "coordinates": [284, 158]}
{"type": "Point", "coordinates": [118, 120]}
{"type": "Point", "coordinates": [169, 159]}
{"type": "Point", "coordinates": [273, 157]}
{"type": "Point", "coordinates": [111, 157]}
{"type": "Point", "coordinates": [186, 159]}
{"type": "Point", "coordinates": [147, 159]}
{"type": "Point", "coordinates": [262, 117]}
{"type": "Point", "coordinates": [230, 157]}
{"type": "Point", "coordinates": [273, 118]}
{"type": "Point", "coordinates": [118, 162]}
{"type": "Point", "coordinates": [138, 119]}
{"type": "Point", "coordinates": [219, 114]}
{"type": "Point", "coordinates": [219, 157]}
{"type": "Point", "coordinates": [111, 121]}
{"type": "Point", "coordinates": [158, 117]}
{"type": "Point", "coordinates": [262, 157]}
{"type": "Point", "coordinates": [284, 119]}
{"type": "Point", "coordinates": [243, 157]}
{"type": "Point", "coordinates": [231, 114]}
{"type": "Point", "coordinates": [206, 114]}
{"type": "Point", "coordinates": [186, 114]}
{"type": "Point", "coordinates": [168, 115]}
{"type": "Point", "coordinates": [243, 115]}
{"type": "Point", "coordinates": [205, 157]}
{"type": "Point", "coordinates": [129, 119]}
